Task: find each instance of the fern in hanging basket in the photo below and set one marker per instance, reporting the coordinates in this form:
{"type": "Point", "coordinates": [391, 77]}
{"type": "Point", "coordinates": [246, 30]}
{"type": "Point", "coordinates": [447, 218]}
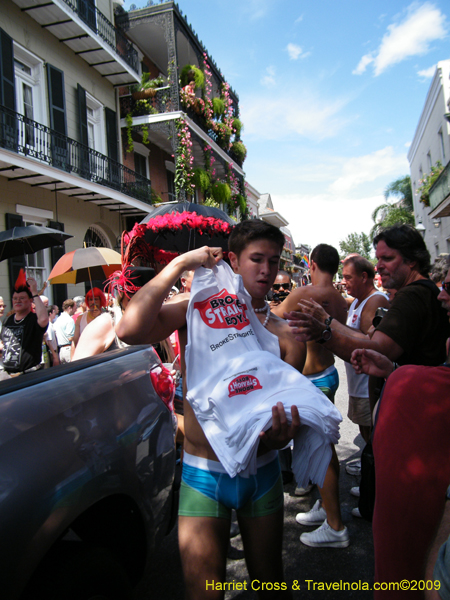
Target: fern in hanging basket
{"type": "Point", "coordinates": [239, 150]}
{"type": "Point", "coordinates": [242, 204]}
{"type": "Point", "coordinates": [221, 192]}
{"type": "Point", "coordinates": [201, 179]}
{"type": "Point", "coordinates": [192, 73]}
{"type": "Point", "coordinates": [218, 106]}
{"type": "Point", "coordinates": [237, 126]}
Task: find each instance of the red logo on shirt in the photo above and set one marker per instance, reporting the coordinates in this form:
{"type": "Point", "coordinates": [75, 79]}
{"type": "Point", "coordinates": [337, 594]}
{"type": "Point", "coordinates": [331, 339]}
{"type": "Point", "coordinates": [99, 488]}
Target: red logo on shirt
{"type": "Point", "coordinates": [223, 310]}
{"type": "Point", "coordinates": [242, 385]}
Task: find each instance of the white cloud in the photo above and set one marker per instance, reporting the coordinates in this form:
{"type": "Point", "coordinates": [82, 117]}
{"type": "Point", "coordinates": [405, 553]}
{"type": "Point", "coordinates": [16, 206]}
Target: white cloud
{"type": "Point", "coordinates": [410, 37]}
{"type": "Point", "coordinates": [326, 218]}
{"type": "Point", "coordinates": [368, 168]}
{"type": "Point", "coordinates": [269, 78]}
{"type": "Point", "coordinates": [427, 73]}
{"type": "Point", "coordinates": [290, 114]}
{"type": "Point", "coordinates": [363, 64]}
{"type": "Point", "coordinates": [299, 19]}
{"type": "Point", "coordinates": [294, 51]}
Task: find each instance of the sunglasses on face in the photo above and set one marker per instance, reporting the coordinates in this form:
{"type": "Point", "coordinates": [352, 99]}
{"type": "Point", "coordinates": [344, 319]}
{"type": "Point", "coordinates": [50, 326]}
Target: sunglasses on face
{"type": "Point", "coordinates": [445, 287]}
{"type": "Point", "coordinates": [285, 286]}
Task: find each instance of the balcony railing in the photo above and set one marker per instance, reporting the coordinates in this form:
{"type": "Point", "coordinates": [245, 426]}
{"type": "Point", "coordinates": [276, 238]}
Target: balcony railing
{"type": "Point", "coordinates": [162, 102]}
{"type": "Point", "coordinates": [29, 138]}
{"type": "Point", "coordinates": [440, 190]}
{"type": "Point", "coordinates": [100, 25]}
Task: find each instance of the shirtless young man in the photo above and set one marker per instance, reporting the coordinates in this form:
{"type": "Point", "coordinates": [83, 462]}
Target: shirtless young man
{"type": "Point", "coordinates": [320, 369]}
{"type": "Point", "coordinates": [255, 250]}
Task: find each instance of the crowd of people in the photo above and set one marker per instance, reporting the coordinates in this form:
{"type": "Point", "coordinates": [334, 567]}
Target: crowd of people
{"type": "Point", "coordinates": [241, 325]}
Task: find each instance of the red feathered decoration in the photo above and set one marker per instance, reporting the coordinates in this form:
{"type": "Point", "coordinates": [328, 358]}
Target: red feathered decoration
{"type": "Point", "coordinates": [21, 281]}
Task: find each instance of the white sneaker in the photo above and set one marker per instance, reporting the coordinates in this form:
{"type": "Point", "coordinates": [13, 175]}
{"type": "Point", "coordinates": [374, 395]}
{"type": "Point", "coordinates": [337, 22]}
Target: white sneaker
{"type": "Point", "coordinates": [303, 491]}
{"type": "Point", "coordinates": [315, 516]}
{"type": "Point", "coordinates": [354, 468]}
{"type": "Point", "coordinates": [355, 491]}
{"type": "Point", "coordinates": [356, 513]}
{"type": "Point", "coordinates": [326, 537]}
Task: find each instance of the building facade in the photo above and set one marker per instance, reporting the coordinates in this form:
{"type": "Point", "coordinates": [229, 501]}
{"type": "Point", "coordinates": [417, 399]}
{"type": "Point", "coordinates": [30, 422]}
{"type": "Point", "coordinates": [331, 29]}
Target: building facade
{"type": "Point", "coordinates": [431, 147]}
{"type": "Point", "coordinates": [61, 63]}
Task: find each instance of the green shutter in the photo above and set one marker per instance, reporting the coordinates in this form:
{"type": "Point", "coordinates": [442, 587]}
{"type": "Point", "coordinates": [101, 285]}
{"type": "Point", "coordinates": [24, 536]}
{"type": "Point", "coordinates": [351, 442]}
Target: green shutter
{"type": "Point", "coordinates": [59, 289]}
{"type": "Point", "coordinates": [8, 121]}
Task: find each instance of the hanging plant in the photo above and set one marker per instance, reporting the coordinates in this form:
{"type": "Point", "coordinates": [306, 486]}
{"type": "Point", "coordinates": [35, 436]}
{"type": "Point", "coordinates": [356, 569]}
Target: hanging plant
{"type": "Point", "coordinates": [223, 132]}
{"type": "Point", "coordinates": [240, 151]}
{"type": "Point", "coordinates": [242, 204]}
{"type": "Point", "coordinates": [201, 179]}
{"type": "Point", "coordinates": [147, 87]}
{"type": "Point", "coordinates": [221, 192]}
{"type": "Point", "coordinates": [192, 73]}
{"type": "Point", "coordinates": [237, 126]}
{"type": "Point", "coordinates": [218, 106]}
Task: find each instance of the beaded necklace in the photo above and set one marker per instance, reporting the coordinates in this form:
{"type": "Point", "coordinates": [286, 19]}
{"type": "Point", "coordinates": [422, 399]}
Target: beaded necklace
{"type": "Point", "coordinates": [264, 309]}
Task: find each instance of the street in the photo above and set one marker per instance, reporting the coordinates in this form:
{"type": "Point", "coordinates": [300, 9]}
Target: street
{"type": "Point", "coordinates": [308, 570]}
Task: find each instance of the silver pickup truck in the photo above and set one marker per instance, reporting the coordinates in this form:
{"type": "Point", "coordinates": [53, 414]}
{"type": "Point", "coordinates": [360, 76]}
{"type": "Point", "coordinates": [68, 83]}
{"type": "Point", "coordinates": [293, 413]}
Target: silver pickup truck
{"type": "Point", "coordinates": [87, 471]}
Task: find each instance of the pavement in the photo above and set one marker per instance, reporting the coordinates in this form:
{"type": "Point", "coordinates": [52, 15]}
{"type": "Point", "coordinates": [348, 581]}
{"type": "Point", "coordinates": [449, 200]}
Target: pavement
{"type": "Point", "coordinates": [311, 573]}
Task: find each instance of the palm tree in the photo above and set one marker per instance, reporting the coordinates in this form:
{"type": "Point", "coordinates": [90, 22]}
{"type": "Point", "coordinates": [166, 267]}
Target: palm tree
{"type": "Point", "coordinates": [399, 211]}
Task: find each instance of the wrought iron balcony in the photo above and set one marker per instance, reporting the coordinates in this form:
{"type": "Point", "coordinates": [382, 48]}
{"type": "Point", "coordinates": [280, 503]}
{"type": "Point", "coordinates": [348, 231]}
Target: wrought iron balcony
{"type": "Point", "coordinates": [100, 25]}
{"type": "Point", "coordinates": [34, 140]}
{"type": "Point", "coordinates": [440, 194]}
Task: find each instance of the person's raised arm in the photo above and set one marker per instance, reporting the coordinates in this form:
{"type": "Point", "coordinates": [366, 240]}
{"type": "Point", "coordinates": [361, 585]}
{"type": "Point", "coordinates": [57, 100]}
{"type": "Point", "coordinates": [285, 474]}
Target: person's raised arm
{"type": "Point", "coordinates": [147, 319]}
{"type": "Point", "coordinates": [41, 310]}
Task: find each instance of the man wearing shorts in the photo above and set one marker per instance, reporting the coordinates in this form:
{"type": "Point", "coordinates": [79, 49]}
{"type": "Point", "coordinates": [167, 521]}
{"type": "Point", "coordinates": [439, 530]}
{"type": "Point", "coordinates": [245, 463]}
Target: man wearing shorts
{"type": "Point", "coordinates": [319, 368]}
{"type": "Point", "coordinates": [358, 274]}
{"type": "Point", "coordinates": [208, 493]}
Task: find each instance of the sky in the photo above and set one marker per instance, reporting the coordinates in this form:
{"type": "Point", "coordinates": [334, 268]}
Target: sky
{"type": "Point", "coordinates": [330, 95]}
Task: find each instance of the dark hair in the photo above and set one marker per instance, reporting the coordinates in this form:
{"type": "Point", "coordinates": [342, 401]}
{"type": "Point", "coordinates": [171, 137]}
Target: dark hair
{"type": "Point", "coordinates": [408, 241]}
{"type": "Point", "coordinates": [361, 265]}
{"type": "Point", "coordinates": [252, 230]}
{"type": "Point", "coordinates": [51, 308]}
{"type": "Point", "coordinates": [326, 258]}
{"type": "Point", "coordinates": [22, 288]}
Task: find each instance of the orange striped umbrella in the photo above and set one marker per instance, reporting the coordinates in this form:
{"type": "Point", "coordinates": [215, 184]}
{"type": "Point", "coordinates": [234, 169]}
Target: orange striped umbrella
{"type": "Point", "coordinates": [85, 264]}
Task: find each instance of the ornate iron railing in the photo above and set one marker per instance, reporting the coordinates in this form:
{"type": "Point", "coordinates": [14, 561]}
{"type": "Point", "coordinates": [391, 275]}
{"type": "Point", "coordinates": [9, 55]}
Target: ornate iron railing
{"type": "Point", "coordinates": [29, 138]}
{"type": "Point", "coordinates": [100, 25]}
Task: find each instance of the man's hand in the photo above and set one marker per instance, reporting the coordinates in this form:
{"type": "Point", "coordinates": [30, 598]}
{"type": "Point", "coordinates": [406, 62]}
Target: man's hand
{"type": "Point", "coordinates": [281, 433]}
{"type": "Point", "coordinates": [304, 326]}
{"type": "Point", "coordinates": [371, 362]}
{"type": "Point", "coordinates": [33, 286]}
{"type": "Point", "coordinates": [313, 308]}
{"type": "Point", "coordinates": [202, 257]}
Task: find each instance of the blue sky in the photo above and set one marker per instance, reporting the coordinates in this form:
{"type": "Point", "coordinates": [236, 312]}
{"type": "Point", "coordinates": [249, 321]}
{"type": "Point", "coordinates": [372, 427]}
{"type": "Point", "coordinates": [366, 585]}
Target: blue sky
{"type": "Point", "coordinates": [330, 96]}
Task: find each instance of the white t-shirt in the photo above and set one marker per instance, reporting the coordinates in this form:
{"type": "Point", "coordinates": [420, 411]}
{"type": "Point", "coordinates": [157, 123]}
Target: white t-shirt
{"type": "Point", "coordinates": [234, 376]}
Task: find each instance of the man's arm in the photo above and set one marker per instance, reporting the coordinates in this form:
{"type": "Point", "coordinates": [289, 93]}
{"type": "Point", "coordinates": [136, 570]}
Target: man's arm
{"type": "Point", "coordinates": [343, 339]}
{"type": "Point", "coordinates": [147, 319]}
{"type": "Point", "coordinates": [41, 310]}
{"type": "Point", "coordinates": [373, 303]}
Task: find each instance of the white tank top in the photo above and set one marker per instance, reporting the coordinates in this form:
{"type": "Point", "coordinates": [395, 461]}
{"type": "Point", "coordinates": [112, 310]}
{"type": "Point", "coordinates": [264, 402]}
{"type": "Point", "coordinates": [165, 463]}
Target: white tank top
{"type": "Point", "coordinates": [234, 376]}
{"type": "Point", "coordinates": [358, 385]}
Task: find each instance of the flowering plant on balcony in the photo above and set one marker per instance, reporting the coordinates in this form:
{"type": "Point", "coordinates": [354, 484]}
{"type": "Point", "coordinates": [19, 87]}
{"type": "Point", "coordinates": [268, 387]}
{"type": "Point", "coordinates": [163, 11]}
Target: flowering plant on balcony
{"type": "Point", "coordinates": [192, 74]}
{"type": "Point", "coordinates": [184, 174]}
{"type": "Point", "coordinates": [427, 181]}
